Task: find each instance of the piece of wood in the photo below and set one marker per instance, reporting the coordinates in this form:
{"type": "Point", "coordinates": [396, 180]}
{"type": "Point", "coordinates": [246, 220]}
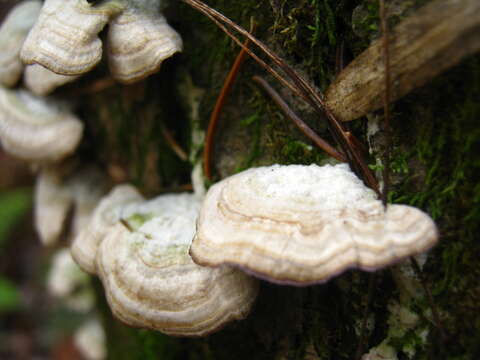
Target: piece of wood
{"type": "Point", "coordinates": [422, 46]}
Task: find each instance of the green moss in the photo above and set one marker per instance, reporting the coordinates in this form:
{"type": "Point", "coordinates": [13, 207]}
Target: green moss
{"type": "Point", "coordinates": [442, 178]}
{"type": "Point", "coordinates": [135, 221]}
{"type": "Point", "coordinates": [10, 298]}
{"type": "Point", "coordinates": [14, 204]}
{"type": "Point", "coordinates": [309, 33]}
{"type": "Point", "coordinates": [410, 342]}
{"type": "Point", "coordinates": [365, 22]}
{"type": "Point", "coordinates": [289, 146]}
{"type": "Point", "coordinates": [155, 345]}
{"type": "Point", "coordinates": [252, 121]}
{"type": "Point", "coordinates": [444, 142]}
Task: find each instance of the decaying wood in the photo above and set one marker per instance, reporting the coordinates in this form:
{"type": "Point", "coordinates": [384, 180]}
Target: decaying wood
{"type": "Point", "coordinates": [422, 46]}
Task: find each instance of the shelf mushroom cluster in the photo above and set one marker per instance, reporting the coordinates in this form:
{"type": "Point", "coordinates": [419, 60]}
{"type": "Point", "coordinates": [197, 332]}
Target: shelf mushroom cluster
{"type": "Point", "coordinates": [33, 128]}
{"type": "Point", "coordinates": [50, 44]}
{"type": "Point", "coordinates": [59, 41]}
{"type": "Point", "coordinates": [139, 249]}
{"type": "Point", "coordinates": [295, 224]}
{"type": "Point", "coordinates": [13, 32]}
{"type": "Point", "coordinates": [65, 37]}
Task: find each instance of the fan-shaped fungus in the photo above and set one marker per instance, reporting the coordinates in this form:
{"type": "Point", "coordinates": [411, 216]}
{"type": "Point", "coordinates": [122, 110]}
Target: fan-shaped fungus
{"type": "Point", "coordinates": [151, 281]}
{"type": "Point", "coordinates": [304, 224]}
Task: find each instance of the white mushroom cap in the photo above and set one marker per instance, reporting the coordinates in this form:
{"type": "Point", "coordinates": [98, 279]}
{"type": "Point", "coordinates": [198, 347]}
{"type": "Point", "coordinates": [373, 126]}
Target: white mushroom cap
{"type": "Point", "coordinates": [139, 40]}
{"type": "Point", "coordinates": [106, 214]}
{"type": "Point", "coordinates": [151, 281]}
{"type": "Point", "coordinates": [304, 224]}
{"type": "Point", "coordinates": [42, 81]}
{"type": "Point", "coordinates": [37, 129]}
{"type": "Point", "coordinates": [13, 32]}
{"type": "Point", "coordinates": [65, 37]}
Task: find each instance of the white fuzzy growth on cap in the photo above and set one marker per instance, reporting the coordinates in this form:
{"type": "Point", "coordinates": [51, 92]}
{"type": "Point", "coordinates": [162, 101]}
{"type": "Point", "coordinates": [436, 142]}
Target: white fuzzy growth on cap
{"type": "Point", "coordinates": [332, 186]}
{"type": "Point", "coordinates": [289, 192]}
{"type": "Point", "coordinates": [172, 220]}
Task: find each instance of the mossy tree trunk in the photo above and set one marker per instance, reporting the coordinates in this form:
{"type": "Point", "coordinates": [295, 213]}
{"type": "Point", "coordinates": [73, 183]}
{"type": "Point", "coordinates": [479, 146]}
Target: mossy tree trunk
{"type": "Point", "coordinates": [434, 166]}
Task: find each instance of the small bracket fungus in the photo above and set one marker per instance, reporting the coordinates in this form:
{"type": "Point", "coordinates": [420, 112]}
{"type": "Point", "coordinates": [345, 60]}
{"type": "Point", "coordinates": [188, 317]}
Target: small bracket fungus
{"type": "Point", "coordinates": [151, 281]}
{"type": "Point", "coordinates": [90, 340]}
{"type": "Point", "coordinates": [13, 32]}
{"type": "Point", "coordinates": [37, 129]}
{"type": "Point", "coordinates": [301, 225]}
{"type": "Point", "coordinates": [65, 37]}
{"type": "Point", "coordinates": [52, 203]}
{"type": "Point", "coordinates": [56, 194]}
{"type": "Point", "coordinates": [106, 214]}
{"type": "Point", "coordinates": [68, 282]}
{"type": "Point", "coordinates": [139, 40]}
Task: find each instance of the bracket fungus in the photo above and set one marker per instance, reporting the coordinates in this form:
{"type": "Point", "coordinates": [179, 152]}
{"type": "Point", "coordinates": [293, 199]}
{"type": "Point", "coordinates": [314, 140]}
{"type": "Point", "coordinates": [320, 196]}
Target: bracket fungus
{"type": "Point", "coordinates": [302, 225]}
{"type": "Point", "coordinates": [106, 214]}
{"type": "Point", "coordinates": [68, 282]}
{"type": "Point", "coordinates": [139, 40]}
{"type": "Point", "coordinates": [37, 129]}
{"type": "Point", "coordinates": [151, 281]}
{"type": "Point", "coordinates": [90, 340]}
{"type": "Point", "coordinates": [56, 194]}
{"type": "Point", "coordinates": [52, 202]}
{"type": "Point", "coordinates": [65, 37]}
{"type": "Point", "coordinates": [13, 32]}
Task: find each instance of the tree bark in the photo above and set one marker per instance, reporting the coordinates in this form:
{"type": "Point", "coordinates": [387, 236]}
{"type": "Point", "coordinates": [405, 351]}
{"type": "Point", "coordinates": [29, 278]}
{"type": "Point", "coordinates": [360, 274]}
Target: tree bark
{"type": "Point", "coordinates": [434, 166]}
